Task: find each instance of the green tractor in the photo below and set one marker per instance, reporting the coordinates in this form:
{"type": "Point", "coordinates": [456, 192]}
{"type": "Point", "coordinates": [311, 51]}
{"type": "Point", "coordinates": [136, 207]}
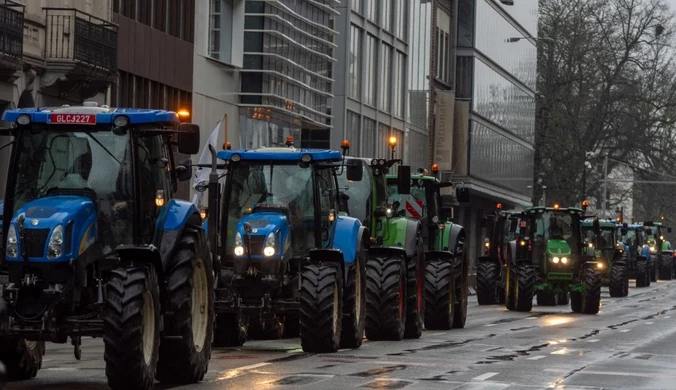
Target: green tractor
{"type": "Point", "coordinates": [661, 254]}
{"type": "Point", "coordinates": [632, 237]}
{"type": "Point", "coordinates": [550, 262]}
{"type": "Point", "coordinates": [446, 262]}
{"type": "Point", "coordinates": [502, 229]}
{"type": "Point", "coordinates": [396, 257]}
{"type": "Point", "coordinates": [610, 252]}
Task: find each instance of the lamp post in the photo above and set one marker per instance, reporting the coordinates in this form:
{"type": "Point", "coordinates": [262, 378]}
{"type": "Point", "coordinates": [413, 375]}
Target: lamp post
{"type": "Point", "coordinates": [393, 144]}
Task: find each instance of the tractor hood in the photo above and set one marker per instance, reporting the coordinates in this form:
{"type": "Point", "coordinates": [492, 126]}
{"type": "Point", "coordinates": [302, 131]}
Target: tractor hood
{"type": "Point", "coordinates": [47, 213]}
{"type": "Point", "coordinates": [262, 225]}
{"type": "Point", "coordinates": [558, 248]}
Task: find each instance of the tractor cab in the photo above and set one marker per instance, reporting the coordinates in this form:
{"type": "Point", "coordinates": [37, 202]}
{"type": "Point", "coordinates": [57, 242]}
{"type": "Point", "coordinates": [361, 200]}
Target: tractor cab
{"type": "Point", "coordinates": [655, 239]}
{"type": "Point", "coordinates": [603, 244]}
{"type": "Point", "coordinates": [660, 251]}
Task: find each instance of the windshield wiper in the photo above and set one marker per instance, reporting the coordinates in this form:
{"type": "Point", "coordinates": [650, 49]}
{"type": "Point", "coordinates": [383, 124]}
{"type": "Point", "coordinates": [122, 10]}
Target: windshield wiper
{"type": "Point", "coordinates": [104, 148]}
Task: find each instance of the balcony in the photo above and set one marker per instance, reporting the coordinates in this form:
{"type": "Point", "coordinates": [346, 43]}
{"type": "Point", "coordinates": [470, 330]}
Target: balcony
{"type": "Point", "coordinates": [80, 52]}
{"type": "Point", "coordinates": [11, 40]}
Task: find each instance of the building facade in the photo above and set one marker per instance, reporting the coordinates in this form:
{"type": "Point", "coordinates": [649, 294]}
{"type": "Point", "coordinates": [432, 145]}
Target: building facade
{"type": "Point", "coordinates": [55, 52]}
{"type": "Point", "coordinates": [495, 105]}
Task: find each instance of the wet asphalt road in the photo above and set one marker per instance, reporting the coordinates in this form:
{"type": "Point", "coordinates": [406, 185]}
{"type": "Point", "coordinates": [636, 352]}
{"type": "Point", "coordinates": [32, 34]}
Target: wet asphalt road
{"type": "Point", "coordinates": [630, 344]}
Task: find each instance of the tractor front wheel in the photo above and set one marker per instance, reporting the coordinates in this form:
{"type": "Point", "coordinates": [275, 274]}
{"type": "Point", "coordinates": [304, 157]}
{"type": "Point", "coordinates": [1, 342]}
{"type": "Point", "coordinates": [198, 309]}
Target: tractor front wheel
{"type": "Point", "coordinates": [186, 344]}
{"type": "Point", "coordinates": [520, 283]}
{"type": "Point", "coordinates": [385, 297]}
{"type": "Point", "coordinates": [487, 276]}
{"type": "Point", "coordinates": [321, 308]}
{"type": "Point", "coordinates": [354, 304]}
{"type": "Point", "coordinates": [131, 330]}
{"type": "Point", "coordinates": [415, 293]}
{"type": "Point", "coordinates": [641, 273]}
{"type": "Point", "coordinates": [439, 295]}
{"type": "Point", "coordinates": [619, 282]}
{"type": "Point", "coordinates": [461, 295]}
{"type": "Point", "coordinates": [665, 266]}
{"type": "Point", "coordinates": [588, 302]}
{"type": "Point", "coordinates": [22, 358]}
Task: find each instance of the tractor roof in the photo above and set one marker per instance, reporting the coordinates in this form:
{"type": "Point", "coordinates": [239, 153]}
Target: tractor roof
{"type": "Point", "coordinates": [632, 226]}
{"type": "Point", "coordinates": [90, 114]}
{"type": "Point", "coordinates": [543, 209]}
{"type": "Point", "coordinates": [281, 154]}
{"type": "Point", "coordinates": [416, 177]}
{"type": "Point", "coordinates": [602, 224]}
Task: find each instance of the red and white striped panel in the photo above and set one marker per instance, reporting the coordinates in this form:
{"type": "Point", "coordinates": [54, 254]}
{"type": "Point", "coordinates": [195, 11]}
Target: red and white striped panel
{"type": "Point", "coordinates": [414, 209]}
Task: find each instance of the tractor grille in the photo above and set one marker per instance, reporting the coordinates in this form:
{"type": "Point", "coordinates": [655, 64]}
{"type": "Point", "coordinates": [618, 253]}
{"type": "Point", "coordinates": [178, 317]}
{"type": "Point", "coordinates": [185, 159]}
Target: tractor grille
{"type": "Point", "coordinates": [257, 243]}
{"type": "Point", "coordinates": [34, 242]}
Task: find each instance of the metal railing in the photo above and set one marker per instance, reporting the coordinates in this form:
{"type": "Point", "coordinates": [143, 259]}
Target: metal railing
{"type": "Point", "coordinates": [78, 36]}
{"type": "Point", "coordinates": [11, 30]}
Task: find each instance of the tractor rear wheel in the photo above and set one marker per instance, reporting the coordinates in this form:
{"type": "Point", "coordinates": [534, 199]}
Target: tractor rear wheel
{"type": "Point", "coordinates": [654, 259]}
{"type": "Point", "coordinates": [618, 281]}
{"type": "Point", "coordinates": [487, 275]}
{"type": "Point", "coordinates": [230, 330]}
{"type": "Point", "coordinates": [354, 303]}
{"type": "Point", "coordinates": [665, 266]}
{"type": "Point", "coordinates": [439, 295]}
{"type": "Point", "coordinates": [415, 292]}
{"type": "Point", "coordinates": [22, 358]}
{"type": "Point", "coordinates": [185, 349]}
{"type": "Point", "coordinates": [521, 280]}
{"type": "Point", "coordinates": [588, 302]}
{"type": "Point", "coordinates": [321, 308]}
{"type": "Point", "coordinates": [461, 295]}
{"type": "Point", "coordinates": [131, 327]}
{"type": "Point", "coordinates": [641, 273]}
{"type": "Point", "coordinates": [385, 297]}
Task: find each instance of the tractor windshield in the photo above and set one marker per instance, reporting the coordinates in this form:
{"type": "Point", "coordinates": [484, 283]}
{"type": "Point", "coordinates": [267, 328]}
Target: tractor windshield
{"type": "Point", "coordinates": [556, 226]}
{"type": "Point", "coordinates": [606, 237]}
{"type": "Point", "coordinates": [50, 162]}
{"type": "Point", "coordinates": [630, 238]}
{"type": "Point", "coordinates": [417, 199]}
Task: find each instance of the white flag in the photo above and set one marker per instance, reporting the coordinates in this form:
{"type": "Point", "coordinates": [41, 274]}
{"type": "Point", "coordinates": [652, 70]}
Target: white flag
{"type": "Point", "coordinates": [202, 174]}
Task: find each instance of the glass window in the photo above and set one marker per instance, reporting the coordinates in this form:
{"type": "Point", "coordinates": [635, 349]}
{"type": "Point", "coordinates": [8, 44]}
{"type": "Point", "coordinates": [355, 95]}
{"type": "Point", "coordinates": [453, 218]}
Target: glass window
{"type": "Point", "coordinates": [354, 86]}
{"type": "Point", "coordinates": [220, 30]}
{"type": "Point", "coordinates": [400, 26]}
{"type": "Point", "coordinates": [326, 187]}
{"type": "Point", "coordinates": [369, 139]}
{"type": "Point", "coordinates": [386, 22]}
{"type": "Point", "coordinates": [359, 193]}
{"type": "Point", "coordinates": [372, 10]}
{"type": "Point", "coordinates": [466, 23]}
{"type": "Point", "coordinates": [371, 63]}
{"type": "Point", "coordinates": [153, 161]}
{"type": "Point", "coordinates": [384, 96]}
{"type": "Point", "coordinates": [98, 163]}
{"type": "Point", "coordinates": [352, 133]}
{"type": "Point", "coordinates": [399, 85]}
{"type": "Point", "coordinates": [356, 5]}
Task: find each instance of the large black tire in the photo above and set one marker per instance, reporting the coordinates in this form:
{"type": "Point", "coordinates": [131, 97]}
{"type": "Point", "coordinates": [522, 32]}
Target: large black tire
{"type": "Point", "coordinates": [131, 342]}
{"type": "Point", "coordinates": [547, 298]}
{"type": "Point", "coordinates": [562, 298]}
{"type": "Point", "coordinates": [231, 331]}
{"type": "Point", "coordinates": [487, 276]}
{"type": "Point", "coordinates": [185, 349]}
{"type": "Point", "coordinates": [521, 280]}
{"type": "Point", "coordinates": [439, 295]}
{"type": "Point", "coordinates": [321, 308]}
{"type": "Point", "coordinates": [461, 294]}
{"type": "Point", "coordinates": [665, 266]}
{"type": "Point", "coordinates": [641, 273]}
{"type": "Point", "coordinates": [22, 358]}
{"type": "Point", "coordinates": [588, 302]}
{"type": "Point", "coordinates": [354, 303]}
{"type": "Point", "coordinates": [415, 292]}
{"type": "Point", "coordinates": [654, 259]}
{"type": "Point", "coordinates": [619, 281]}
{"type": "Point", "coordinates": [385, 297]}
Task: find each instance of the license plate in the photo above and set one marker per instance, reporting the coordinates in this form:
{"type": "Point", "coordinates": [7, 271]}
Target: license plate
{"type": "Point", "coordinates": [72, 119]}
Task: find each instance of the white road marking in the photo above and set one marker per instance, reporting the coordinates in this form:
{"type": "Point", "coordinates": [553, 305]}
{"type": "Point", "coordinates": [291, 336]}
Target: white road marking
{"type": "Point", "coordinates": [625, 330]}
{"type": "Point", "coordinates": [555, 370]}
{"type": "Point", "coordinates": [61, 369]}
{"type": "Point", "coordinates": [485, 376]}
{"type": "Point", "coordinates": [537, 357]}
{"type": "Point", "coordinates": [438, 334]}
{"type": "Point", "coordinates": [649, 323]}
{"type": "Point", "coordinates": [593, 341]}
{"type": "Point", "coordinates": [490, 325]}
{"type": "Point", "coordinates": [251, 367]}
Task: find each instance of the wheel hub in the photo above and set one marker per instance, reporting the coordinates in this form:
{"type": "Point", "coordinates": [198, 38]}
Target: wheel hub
{"type": "Point", "coordinates": [148, 327]}
{"type": "Point", "coordinates": [199, 303]}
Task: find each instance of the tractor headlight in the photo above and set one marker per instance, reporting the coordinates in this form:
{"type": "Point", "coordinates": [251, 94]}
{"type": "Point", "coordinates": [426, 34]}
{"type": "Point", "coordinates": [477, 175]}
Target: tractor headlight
{"type": "Point", "coordinates": [599, 265]}
{"type": "Point", "coordinates": [388, 212]}
{"type": "Point", "coordinates": [269, 249]}
{"type": "Point", "coordinates": [204, 213]}
{"type": "Point", "coordinates": [652, 249]}
{"type": "Point", "coordinates": [564, 260]}
{"type": "Point", "coordinates": [12, 242]}
{"type": "Point", "coordinates": [555, 260]}
{"type": "Point", "coordinates": [239, 249]}
{"type": "Point", "coordinates": [55, 247]}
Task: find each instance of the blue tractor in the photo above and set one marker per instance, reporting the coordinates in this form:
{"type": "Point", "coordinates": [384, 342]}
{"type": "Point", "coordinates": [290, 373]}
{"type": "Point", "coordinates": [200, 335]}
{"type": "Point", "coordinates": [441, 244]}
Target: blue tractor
{"type": "Point", "coordinates": [96, 245]}
{"type": "Point", "coordinates": [291, 263]}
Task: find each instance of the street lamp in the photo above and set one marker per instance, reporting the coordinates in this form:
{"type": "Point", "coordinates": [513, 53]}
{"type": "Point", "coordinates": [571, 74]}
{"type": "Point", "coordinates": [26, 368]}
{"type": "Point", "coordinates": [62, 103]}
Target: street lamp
{"type": "Point", "coordinates": [517, 39]}
{"type": "Point", "coordinates": [393, 144]}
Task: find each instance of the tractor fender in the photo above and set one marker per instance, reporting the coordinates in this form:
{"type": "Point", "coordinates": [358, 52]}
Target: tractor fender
{"type": "Point", "coordinates": [488, 259]}
{"type": "Point", "coordinates": [175, 217]}
{"type": "Point", "coordinates": [403, 233]}
{"type": "Point", "coordinates": [347, 237]}
{"type": "Point", "coordinates": [142, 254]}
{"type": "Point", "coordinates": [456, 235]}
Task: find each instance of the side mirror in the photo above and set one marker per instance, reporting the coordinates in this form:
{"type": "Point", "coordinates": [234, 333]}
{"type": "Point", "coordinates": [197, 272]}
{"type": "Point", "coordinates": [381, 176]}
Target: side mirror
{"type": "Point", "coordinates": [649, 232]}
{"type": "Point", "coordinates": [184, 170]}
{"type": "Point", "coordinates": [596, 226]}
{"type": "Point", "coordinates": [462, 194]}
{"type": "Point", "coordinates": [188, 138]}
{"type": "Point", "coordinates": [355, 172]}
{"type": "Point", "coordinates": [404, 180]}
{"type": "Point", "coordinates": [668, 229]}
{"type": "Point", "coordinates": [623, 231]}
